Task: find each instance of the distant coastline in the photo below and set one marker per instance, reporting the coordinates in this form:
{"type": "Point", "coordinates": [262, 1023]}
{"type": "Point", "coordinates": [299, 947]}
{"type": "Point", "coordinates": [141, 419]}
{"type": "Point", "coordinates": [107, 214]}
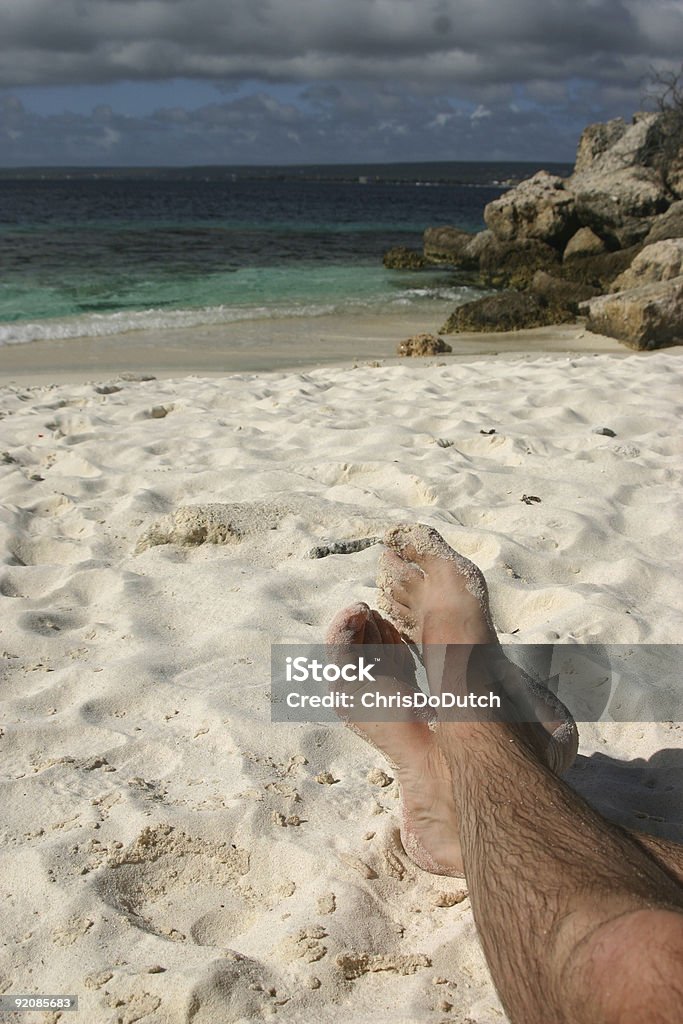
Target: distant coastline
{"type": "Point", "coordinates": [502, 173]}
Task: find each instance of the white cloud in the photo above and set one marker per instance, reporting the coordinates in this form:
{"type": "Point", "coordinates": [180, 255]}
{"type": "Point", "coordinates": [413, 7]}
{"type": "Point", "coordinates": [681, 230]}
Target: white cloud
{"type": "Point", "coordinates": [441, 120]}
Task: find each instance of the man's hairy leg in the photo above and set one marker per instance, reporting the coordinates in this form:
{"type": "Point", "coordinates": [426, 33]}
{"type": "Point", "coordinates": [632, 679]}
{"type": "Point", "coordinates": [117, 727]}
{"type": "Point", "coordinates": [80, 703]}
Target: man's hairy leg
{"type": "Point", "coordinates": [578, 923]}
{"type": "Point", "coordinates": [669, 855]}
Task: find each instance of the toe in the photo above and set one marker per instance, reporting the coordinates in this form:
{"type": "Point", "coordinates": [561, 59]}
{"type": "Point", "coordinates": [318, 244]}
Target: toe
{"type": "Point", "coordinates": [399, 540]}
{"type": "Point", "coordinates": [396, 654]}
{"type": "Point", "coordinates": [415, 542]}
{"type": "Point", "coordinates": [401, 616]}
{"type": "Point", "coordinates": [348, 626]}
{"type": "Point", "coordinates": [388, 632]}
{"type": "Point", "coordinates": [373, 633]}
{"type": "Point", "coordinates": [401, 594]}
{"type": "Point", "coordinates": [392, 570]}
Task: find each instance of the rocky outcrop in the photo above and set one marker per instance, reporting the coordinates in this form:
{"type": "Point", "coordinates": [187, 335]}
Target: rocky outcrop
{"type": "Point", "coordinates": [647, 317]}
{"type": "Point", "coordinates": [540, 208]}
{"type": "Point", "coordinates": [653, 141]}
{"type": "Point", "coordinates": [674, 176]}
{"type": "Point", "coordinates": [558, 241]}
{"type": "Point", "coordinates": [423, 345]}
{"type": "Point", "coordinates": [513, 264]}
{"type": "Point", "coordinates": [506, 311]}
{"type": "Point", "coordinates": [616, 190]}
{"type": "Point", "coordinates": [667, 225]}
{"type": "Point", "coordinates": [599, 270]}
{"type": "Point", "coordinates": [401, 258]}
{"type": "Point", "coordinates": [447, 245]}
{"type": "Point", "coordinates": [478, 244]}
{"type": "Point", "coordinates": [584, 243]}
{"type": "Point", "coordinates": [619, 206]}
{"type": "Point", "coordinates": [660, 261]}
{"type": "Point", "coordinates": [560, 294]}
{"type": "Point", "coordinates": [596, 141]}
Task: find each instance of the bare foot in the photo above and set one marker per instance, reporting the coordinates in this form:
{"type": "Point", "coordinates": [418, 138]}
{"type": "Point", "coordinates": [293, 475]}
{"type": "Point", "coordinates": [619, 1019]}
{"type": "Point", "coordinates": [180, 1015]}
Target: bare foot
{"type": "Point", "coordinates": [439, 598]}
{"type": "Point", "coordinates": [429, 824]}
{"type": "Point", "coordinates": [434, 594]}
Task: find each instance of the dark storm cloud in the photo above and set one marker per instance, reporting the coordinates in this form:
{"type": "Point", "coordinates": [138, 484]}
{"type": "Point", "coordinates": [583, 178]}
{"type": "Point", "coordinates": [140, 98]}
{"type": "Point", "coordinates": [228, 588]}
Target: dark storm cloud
{"type": "Point", "coordinates": [300, 81]}
{"type": "Point", "coordinates": [459, 41]}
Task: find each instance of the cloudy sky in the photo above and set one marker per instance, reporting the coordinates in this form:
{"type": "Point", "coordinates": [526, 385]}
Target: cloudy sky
{"type": "Point", "coordinates": [178, 82]}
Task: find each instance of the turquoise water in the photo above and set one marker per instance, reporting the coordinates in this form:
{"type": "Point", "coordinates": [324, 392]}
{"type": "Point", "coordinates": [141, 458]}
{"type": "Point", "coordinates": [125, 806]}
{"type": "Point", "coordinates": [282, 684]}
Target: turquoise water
{"type": "Point", "coordinates": [99, 255]}
{"type": "Point", "coordinates": [78, 307]}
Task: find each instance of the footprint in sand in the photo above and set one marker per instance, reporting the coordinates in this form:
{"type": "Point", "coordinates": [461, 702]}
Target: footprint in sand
{"type": "Point", "coordinates": [51, 623]}
{"type": "Point", "coordinates": [50, 532]}
{"type": "Point", "coordinates": [236, 989]}
{"type": "Point", "coordinates": [182, 887]}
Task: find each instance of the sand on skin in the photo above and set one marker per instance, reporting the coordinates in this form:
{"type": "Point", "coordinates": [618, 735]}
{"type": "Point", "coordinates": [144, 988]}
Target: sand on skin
{"type": "Point", "coordinates": [165, 851]}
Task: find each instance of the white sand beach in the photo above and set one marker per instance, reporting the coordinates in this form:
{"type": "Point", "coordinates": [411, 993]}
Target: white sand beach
{"type": "Point", "coordinates": [166, 852]}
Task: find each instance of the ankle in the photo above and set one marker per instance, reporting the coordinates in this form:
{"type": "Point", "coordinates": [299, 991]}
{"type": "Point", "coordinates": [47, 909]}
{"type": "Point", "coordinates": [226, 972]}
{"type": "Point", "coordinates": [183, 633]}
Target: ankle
{"type": "Point", "coordinates": [459, 742]}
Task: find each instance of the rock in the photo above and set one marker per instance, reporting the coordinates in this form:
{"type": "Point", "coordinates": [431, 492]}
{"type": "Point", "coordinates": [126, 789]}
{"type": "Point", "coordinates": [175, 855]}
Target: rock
{"type": "Point", "coordinates": [423, 345]}
{"type": "Point", "coordinates": [584, 243]}
{"type": "Point", "coordinates": [447, 245]}
{"type": "Point", "coordinates": [449, 899]}
{"type": "Point", "coordinates": [401, 258]}
{"type": "Point", "coordinates": [326, 779]}
{"type": "Point", "coordinates": [619, 195]}
{"type": "Point", "coordinates": [665, 152]}
{"type": "Point", "coordinates": [539, 208]}
{"type": "Point", "coordinates": [478, 244]}
{"type": "Point", "coordinates": [379, 778]}
{"type": "Point", "coordinates": [615, 146]}
{"type": "Point", "coordinates": [513, 264]}
{"type": "Point", "coordinates": [657, 262]}
{"type": "Point", "coordinates": [605, 431]}
{"type": "Point", "coordinates": [617, 180]}
{"type": "Point", "coordinates": [617, 204]}
{"type": "Point", "coordinates": [647, 317]}
{"type": "Point", "coordinates": [560, 293]}
{"type": "Point", "coordinates": [131, 377]}
{"type": "Point", "coordinates": [595, 141]}
{"type": "Point", "coordinates": [674, 176]}
{"type": "Point", "coordinates": [599, 270]}
{"type": "Point", "coordinates": [667, 225]}
{"type": "Point", "coordinates": [343, 547]}
{"type": "Point", "coordinates": [507, 311]}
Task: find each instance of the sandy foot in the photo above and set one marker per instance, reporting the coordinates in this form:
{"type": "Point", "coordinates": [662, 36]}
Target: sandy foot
{"type": "Point", "coordinates": [438, 598]}
{"type": "Point", "coordinates": [429, 827]}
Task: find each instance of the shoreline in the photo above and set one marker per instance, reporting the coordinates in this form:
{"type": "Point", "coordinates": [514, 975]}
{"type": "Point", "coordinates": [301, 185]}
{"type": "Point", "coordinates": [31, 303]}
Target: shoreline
{"type": "Point", "coordinates": [259, 346]}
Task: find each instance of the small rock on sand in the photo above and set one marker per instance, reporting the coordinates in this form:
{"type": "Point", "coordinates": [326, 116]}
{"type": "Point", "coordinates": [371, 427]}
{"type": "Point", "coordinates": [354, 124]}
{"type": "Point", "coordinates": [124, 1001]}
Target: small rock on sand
{"type": "Point", "coordinates": [377, 777]}
{"type": "Point", "coordinates": [423, 345]}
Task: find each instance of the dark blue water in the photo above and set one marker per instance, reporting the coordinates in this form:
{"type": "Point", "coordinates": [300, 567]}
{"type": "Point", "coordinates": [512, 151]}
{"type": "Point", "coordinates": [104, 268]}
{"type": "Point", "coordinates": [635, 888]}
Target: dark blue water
{"type": "Point", "coordinates": [100, 253]}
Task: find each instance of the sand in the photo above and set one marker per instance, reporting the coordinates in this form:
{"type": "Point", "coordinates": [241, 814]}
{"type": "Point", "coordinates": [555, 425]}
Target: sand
{"type": "Point", "coordinates": [166, 852]}
{"type": "Point", "coordinates": [273, 344]}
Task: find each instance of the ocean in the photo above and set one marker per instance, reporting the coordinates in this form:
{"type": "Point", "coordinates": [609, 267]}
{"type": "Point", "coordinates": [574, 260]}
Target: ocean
{"type": "Point", "coordinates": [103, 252]}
